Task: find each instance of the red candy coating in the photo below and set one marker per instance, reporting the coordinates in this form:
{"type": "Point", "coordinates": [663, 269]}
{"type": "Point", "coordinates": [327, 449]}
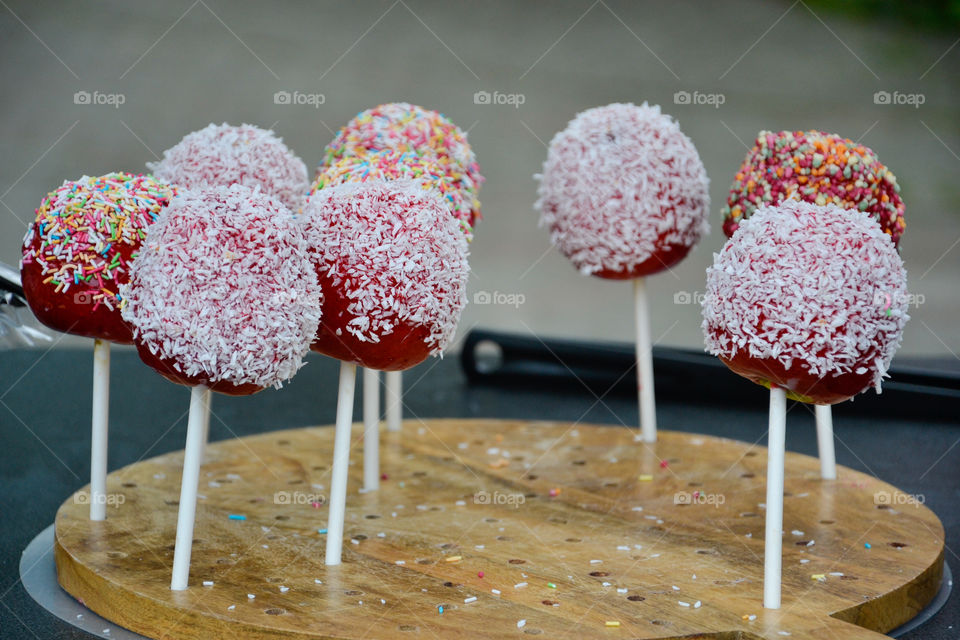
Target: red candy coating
{"type": "Point", "coordinates": [77, 251]}
{"type": "Point", "coordinates": [406, 346]}
{"type": "Point", "coordinates": [799, 384]}
{"type": "Point", "coordinates": [167, 368]}
{"type": "Point", "coordinates": [73, 312]}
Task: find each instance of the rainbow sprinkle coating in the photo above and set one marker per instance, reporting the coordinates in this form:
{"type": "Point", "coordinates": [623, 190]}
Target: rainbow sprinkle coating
{"type": "Point", "coordinates": [397, 165]}
{"type": "Point", "coordinates": [86, 232]}
{"type": "Point", "coordinates": [407, 128]}
{"type": "Point", "coordinates": [814, 167]}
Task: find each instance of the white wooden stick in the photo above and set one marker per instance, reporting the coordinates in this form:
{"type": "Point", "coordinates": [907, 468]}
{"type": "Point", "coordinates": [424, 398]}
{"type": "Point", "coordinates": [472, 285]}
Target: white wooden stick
{"type": "Point", "coordinates": [199, 405]}
{"type": "Point", "coordinates": [206, 422]}
{"type": "Point", "coordinates": [645, 397]}
{"type": "Point", "coordinates": [206, 427]}
{"type": "Point", "coordinates": [341, 460]}
{"type": "Point", "coordinates": [100, 421]}
{"type": "Point", "coordinates": [394, 397]}
{"type": "Point", "coordinates": [772, 549]}
{"type": "Point", "coordinates": [371, 429]}
{"type": "Point", "coordinates": [828, 461]}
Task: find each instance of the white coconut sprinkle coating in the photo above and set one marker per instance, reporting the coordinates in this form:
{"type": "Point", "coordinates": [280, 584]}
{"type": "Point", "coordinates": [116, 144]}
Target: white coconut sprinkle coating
{"type": "Point", "coordinates": [224, 286]}
{"type": "Point", "coordinates": [393, 249]}
{"type": "Point", "coordinates": [620, 182]}
{"type": "Point", "coordinates": [815, 285]}
{"type": "Point", "coordinates": [221, 155]}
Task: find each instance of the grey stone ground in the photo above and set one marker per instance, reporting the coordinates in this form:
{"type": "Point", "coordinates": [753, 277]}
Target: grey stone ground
{"type": "Point", "coordinates": [182, 64]}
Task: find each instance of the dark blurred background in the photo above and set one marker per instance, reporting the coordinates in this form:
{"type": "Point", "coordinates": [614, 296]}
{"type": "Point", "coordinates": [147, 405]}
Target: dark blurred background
{"type": "Point", "coordinates": [95, 86]}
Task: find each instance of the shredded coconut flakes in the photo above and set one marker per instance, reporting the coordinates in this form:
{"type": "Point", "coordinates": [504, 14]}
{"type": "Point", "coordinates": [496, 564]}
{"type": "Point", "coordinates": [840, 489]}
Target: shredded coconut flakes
{"type": "Point", "coordinates": [221, 155]}
{"type": "Point", "coordinates": [620, 182]}
{"type": "Point", "coordinates": [224, 286]}
{"type": "Point", "coordinates": [815, 284]}
{"type": "Point", "coordinates": [393, 249]}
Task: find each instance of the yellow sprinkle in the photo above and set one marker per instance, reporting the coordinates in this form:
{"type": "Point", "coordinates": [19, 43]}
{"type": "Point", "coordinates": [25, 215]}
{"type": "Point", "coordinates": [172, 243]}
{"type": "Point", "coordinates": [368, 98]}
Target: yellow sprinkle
{"type": "Point", "coordinates": [818, 576]}
{"type": "Point", "coordinates": [612, 623]}
{"type": "Point", "coordinates": [645, 478]}
{"type": "Point", "coordinates": [454, 559]}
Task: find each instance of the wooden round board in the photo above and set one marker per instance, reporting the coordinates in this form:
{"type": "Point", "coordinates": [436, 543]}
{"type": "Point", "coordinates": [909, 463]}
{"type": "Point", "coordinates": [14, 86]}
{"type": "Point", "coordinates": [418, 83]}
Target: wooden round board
{"type": "Point", "coordinates": [578, 530]}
